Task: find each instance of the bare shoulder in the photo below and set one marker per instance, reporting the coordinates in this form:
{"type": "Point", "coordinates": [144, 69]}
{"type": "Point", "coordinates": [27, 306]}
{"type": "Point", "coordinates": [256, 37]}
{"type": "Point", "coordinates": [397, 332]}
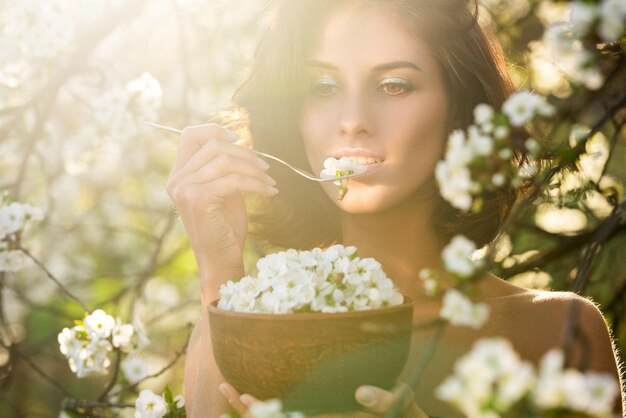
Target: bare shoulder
{"type": "Point", "coordinates": [554, 317]}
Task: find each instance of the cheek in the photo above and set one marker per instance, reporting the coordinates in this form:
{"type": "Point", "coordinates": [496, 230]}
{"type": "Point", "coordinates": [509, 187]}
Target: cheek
{"type": "Point", "coordinates": [420, 134]}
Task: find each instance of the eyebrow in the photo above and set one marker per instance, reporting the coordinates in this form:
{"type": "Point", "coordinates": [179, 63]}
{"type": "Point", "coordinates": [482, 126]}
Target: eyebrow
{"type": "Point", "coordinates": [379, 68]}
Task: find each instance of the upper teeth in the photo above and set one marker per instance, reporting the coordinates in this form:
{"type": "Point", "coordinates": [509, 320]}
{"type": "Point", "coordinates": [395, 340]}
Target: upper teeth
{"type": "Point", "coordinates": [365, 160]}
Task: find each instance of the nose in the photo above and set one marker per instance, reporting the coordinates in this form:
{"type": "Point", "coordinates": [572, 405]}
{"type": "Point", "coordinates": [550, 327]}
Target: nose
{"type": "Point", "coordinates": [356, 118]}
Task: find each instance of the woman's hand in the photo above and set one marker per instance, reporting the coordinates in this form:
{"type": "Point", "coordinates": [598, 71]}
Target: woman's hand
{"type": "Point", "coordinates": [205, 184]}
{"type": "Point", "coordinates": [376, 402]}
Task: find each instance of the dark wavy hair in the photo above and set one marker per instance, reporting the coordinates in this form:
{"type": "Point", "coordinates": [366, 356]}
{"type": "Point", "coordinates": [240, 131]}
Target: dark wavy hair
{"type": "Point", "coordinates": [473, 68]}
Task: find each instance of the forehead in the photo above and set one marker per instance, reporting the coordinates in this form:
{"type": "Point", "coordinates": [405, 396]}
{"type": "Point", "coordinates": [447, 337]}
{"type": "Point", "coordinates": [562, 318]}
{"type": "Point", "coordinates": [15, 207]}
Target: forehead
{"type": "Point", "coordinates": [367, 37]}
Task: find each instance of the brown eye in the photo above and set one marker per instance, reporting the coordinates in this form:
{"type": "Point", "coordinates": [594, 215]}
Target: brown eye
{"type": "Point", "coordinates": [324, 86]}
{"type": "Point", "coordinates": [396, 86]}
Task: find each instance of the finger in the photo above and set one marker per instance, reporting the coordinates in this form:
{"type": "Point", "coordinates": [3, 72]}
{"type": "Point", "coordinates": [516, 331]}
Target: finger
{"type": "Point", "coordinates": [220, 166]}
{"type": "Point", "coordinates": [248, 400]}
{"type": "Point", "coordinates": [213, 149]}
{"type": "Point", "coordinates": [380, 401]}
{"type": "Point", "coordinates": [194, 137]}
{"type": "Point", "coordinates": [192, 194]}
{"type": "Point", "coordinates": [231, 394]}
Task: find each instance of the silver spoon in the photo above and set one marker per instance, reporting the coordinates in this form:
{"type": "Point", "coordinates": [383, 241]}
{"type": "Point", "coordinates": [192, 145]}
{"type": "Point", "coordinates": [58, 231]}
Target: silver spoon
{"type": "Point", "coordinates": [271, 157]}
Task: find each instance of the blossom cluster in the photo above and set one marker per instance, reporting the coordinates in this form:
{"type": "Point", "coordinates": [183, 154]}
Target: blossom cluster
{"type": "Point", "coordinates": [151, 405]}
{"type": "Point", "coordinates": [479, 160]}
{"type": "Point", "coordinates": [87, 345]}
{"type": "Point", "coordinates": [31, 33]}
{"type": "Point", "coordinates": [567, 44]}
{"type": "Point", "coordinates": [331, 280]}
{"type": "Point", "coordinates": [14, 217]}
{"type": "Point", "coordinates": [341, 167]}
{"type": "Point", "coordinates": [121, 110]}
{"type": "Point", "coordinates": [491, 380]}
{"type": "Point", "coordinates": [457, 308]}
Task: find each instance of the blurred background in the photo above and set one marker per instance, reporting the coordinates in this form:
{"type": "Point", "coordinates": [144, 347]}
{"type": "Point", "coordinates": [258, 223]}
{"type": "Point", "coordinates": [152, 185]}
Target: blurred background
{"type": "Point", "coordinates": [77, 80]}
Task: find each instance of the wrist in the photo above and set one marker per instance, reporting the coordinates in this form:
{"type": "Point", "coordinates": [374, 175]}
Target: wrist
{"type": "Point", "coordinates": [212, 275]}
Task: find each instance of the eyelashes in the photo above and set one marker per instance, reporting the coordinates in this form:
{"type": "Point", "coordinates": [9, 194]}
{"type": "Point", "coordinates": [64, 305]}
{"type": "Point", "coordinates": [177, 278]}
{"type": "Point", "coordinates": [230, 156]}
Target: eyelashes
{"type": "Point", "coordinates": [395, 86]}
{"type": "Point", "coordinates": [326, 86]}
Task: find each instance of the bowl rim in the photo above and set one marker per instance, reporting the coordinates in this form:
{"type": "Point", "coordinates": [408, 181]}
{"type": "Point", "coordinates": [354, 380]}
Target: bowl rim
{"type": "Point", "coordinates": [298, 316]}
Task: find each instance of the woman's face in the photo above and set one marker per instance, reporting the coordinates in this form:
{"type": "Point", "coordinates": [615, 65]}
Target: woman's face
{"type": "Point", "coordinates": [375, 92]}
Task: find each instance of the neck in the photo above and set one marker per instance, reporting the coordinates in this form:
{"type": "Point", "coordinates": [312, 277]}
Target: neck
{"type": "Point", "coordinates": [402, 239]}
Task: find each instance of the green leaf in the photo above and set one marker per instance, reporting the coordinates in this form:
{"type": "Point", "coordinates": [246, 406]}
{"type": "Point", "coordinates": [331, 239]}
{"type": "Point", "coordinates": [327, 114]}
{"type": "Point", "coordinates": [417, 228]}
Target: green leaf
{"type": "Point", "coordinates": [169, 397]}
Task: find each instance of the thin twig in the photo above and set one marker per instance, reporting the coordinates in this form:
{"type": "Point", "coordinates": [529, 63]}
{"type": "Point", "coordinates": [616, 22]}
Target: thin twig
{"type": "Point", "coordinates": [54, 279]}
{"type": "Point", "coordinates": [37, 369]}
{"type": "Point", "coordinates": [116, 368]}
{"type": "Point", "coordinates": [177, 356]}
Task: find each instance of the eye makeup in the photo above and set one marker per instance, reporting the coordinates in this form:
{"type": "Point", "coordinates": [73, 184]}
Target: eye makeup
{"type": "Point", "coordinates": [396, 86]}
{"type": "Point", "coordinates": [324, 85]}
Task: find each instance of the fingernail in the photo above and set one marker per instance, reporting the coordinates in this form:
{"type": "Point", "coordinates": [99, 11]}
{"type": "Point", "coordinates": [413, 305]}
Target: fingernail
{"type": "Point", "coordinates": [270, 180]}
{"type": "Point", "coordinates": [272, 190]}
{"type": "Point", "coordinates": [224, 390]}
{"type": "Point", "coordinates": [264, 165]}
{"type": "Point", "coordinates": [366, 396]}
{"type": "Point", "coordinates": [246, 399]}
{"type": "Point", "coordinates": [233, 135]}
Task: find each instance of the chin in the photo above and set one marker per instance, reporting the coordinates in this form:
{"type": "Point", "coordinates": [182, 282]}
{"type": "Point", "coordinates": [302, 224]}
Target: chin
{"type": "Point", "coordinates": [362, 203]}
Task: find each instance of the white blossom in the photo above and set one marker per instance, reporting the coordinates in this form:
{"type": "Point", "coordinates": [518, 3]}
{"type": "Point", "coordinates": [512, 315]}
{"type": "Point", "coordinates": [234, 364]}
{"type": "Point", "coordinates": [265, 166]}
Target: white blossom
{"type": "Point", "coordinates": [453, 174]}
{"type": "Point", "coordinates": [343, 166]}
{"type": "Point", "coordinates": [120, 109]}
{"type": "Point", "coordinates": [520, 107]}
{"type": "Point", "coordinates": [140, 337]}
{"type": "Point", "coordinates": [533, 146]}
{"type": "Point", "coordinates": [71, 340]}
{"type": "Point", "coordinates": [498, 179]}
{"type": "Point", "coordinates": [612, 21]}
{"type": "Point", "coordinates": [460, 311]}
{"type": "Point", "coordinates": [99, 324]}
{"type": "Point", "coordinates": [479, 143]}
{"type": "Point", "coordinates": [488, 380]}
{"type": "Point", "coordinates": [455, 184]}
{"type": "Point", "coordinates": [122, 334]}
{"type": "Point", "coordinates": [568, 54]}
{"type": "Point", "coordinates": [501, 132]}
{"type": "Point", "coordinates": [557, 387]}
{"type": "Point", "coordinates": [457, 256]}
{"type": "Point", "coordinates": [92, 359]}
{"type": "Point", "coordinates": [483, 113]}
{"type": "Point", "coordinates": [505, 153]}
{"type": "Point", "coordinates": [14, 217]}
{"type": "Point", "coordinates": [334, 280]}
{"type": "Point", "coordinates": [179, 400]}
{"type": "Point", "coordinates": [135, 368]}
{"type": "Point", "coordinates": [271, 408]}
{"type": "Point", "coordinates": [268, 409]}
{"type": "Point", "coordinates": [150, 405]}
{"type": "Point", "coordinates": [602, 390]}
{"type": "Point", "coordinates": [11, 261]}
{"type": "Point", "coordinates": [87, 346]}
{"type": "Point", "coordinates": [582, 17]}
{"type": "Point", "coordinates": [39, 31]}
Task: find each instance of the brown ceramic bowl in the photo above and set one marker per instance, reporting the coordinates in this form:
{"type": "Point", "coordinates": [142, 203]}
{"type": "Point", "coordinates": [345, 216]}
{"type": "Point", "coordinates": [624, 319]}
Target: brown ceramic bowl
{"type": "Point", "coordinates": [314, 362]}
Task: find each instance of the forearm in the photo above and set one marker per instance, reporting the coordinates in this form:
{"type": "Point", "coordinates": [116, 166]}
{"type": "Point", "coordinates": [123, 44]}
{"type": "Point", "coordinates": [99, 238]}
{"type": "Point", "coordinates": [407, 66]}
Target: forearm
{"type": "Point", "coordinates": [202, 376]}
{"type": "Point", "coordinates": [212, 275]}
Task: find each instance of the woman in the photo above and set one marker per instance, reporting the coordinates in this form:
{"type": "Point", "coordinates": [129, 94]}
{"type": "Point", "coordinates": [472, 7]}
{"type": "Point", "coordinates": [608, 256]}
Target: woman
{"type": "Point", "coordinates": [386, 80]}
